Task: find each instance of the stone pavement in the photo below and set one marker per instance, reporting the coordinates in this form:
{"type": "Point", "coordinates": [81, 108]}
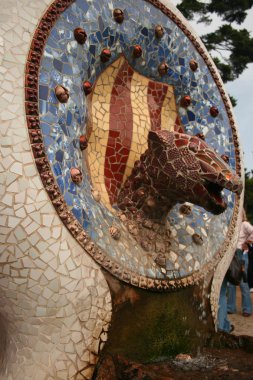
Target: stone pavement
{"type": "Point", "coordinates": [243, 325]}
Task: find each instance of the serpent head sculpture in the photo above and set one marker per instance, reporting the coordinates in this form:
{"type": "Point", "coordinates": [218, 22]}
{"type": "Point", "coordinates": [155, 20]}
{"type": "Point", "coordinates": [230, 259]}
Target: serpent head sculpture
{"type": "Point", "coordinates": [176, 168]}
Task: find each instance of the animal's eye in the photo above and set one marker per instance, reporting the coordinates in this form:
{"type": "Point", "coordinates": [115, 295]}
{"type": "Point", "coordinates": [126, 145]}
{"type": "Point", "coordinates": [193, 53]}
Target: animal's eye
{"type": "Point", "coordinates": [228, 176]}
{"type": "Point", "coordinates": [201, 136]}
{"type": "Point", "coordinates": [193, 147]}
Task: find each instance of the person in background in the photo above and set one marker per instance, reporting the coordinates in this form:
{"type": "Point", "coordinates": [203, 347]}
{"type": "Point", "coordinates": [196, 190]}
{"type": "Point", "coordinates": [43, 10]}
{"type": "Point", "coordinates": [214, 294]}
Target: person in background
{"type": "Point", "coordinates": [250, 266]}
{"type": "Point", "coordinates": [224, 324]}
{"type": "Point", "coordinates": [246, 234]}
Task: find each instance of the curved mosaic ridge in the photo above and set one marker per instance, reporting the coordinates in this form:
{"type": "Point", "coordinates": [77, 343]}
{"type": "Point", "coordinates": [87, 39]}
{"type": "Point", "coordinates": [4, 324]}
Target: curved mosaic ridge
{"type": "Point", "coordinates": [42, 152]}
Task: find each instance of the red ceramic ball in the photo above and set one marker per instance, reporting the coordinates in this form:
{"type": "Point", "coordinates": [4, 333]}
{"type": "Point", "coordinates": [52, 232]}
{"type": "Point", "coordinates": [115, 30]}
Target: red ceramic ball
{"type": "Point", "coordinates": [87, 87]}
{"type": "Point", "coordinates": [105, 55]}
{"type": "Point", "coordinates": [185, 101]}
{"type": "Point", "coordinates": [214, 112]}
{"type": "Point", "coordinates": [137, 52]}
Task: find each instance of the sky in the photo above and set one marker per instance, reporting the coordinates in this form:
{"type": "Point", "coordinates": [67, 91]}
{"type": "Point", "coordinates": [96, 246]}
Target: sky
{"type": "Point", "coordinates": [241, 89]}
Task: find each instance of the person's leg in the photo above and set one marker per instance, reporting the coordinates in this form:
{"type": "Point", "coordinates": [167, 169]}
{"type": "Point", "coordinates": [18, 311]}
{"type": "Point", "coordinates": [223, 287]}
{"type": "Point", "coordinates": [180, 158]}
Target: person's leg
{"type": "Point", "coordinates": [223, 322]}
{"type": "Point", "coordinates": [244, 286]}
{"type": "Point", "coordinates": [231, 305]}
{"type": "Point", "coordinates": [232, 289]}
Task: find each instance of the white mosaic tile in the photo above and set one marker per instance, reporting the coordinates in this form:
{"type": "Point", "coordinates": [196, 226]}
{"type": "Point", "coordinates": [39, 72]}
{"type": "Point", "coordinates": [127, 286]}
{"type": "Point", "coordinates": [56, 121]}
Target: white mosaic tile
{"type": "Point", "coordinates": [45, 277]}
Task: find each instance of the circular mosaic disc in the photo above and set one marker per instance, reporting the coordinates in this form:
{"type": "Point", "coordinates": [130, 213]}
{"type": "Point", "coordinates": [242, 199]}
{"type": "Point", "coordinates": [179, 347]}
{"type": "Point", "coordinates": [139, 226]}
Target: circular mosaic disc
{"type": "Point", "coordinates": [98, 80]}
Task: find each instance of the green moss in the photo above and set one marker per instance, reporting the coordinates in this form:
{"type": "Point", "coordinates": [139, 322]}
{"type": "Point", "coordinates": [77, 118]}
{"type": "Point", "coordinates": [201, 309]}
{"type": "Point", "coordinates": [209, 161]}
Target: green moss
{"type": "Point", "coordinates": [157, 326]}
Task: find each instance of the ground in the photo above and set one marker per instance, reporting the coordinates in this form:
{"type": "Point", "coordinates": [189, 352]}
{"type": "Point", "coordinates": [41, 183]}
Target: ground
{"type": "Point", "coordinates": [243, 326]}
{"type": "Point", "coordinates": [230, 357]}
{"type": "Point", "coordinates": [212, 364]}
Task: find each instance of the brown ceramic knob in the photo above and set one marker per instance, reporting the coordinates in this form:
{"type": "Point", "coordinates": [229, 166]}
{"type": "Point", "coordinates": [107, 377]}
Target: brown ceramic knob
{"type": "Point", "coordinates": [105, 55]}
{"type": "Point", "coordinates": [185, 101]}
{"type": "Point", "coordinates": [159, 31]}
{"type": "Point", "coordinates": [62, 94]}
{"type": "Point", "coordinates": [145, 245]}
{"type": "Point", "coordinates": [80, 35]}
{"type": "Point", "coordinates": [137, 52]}
{"type": "Point", "coordinates": [115, 232]}
{"type": "Point", "coordinates": [118, 15]}
{"type": "Point", "coordinates": [133, 229]}
{"type": "Point", "coordinates": [225, 158]}
{"type": "Point", "coordinates": [201, 136]}
{"type": "Point", "coordinates": [197, 239]}
{"type": "Point", "coordinates": [160, 260]}
{"type": "Point", "coordinates": [185, 210]}
{"type": "Point", "coordinates": [214, 112]}
{"type": "Point", "coordinates": [87, 87]}
{"type": "Point", "coordinates": [163, 68]}
{"type": "Point", "coordinates": [193, 65]}
{"type": "Point", "coordinates": [83, 142]}
{"type": "Point", "coordinates": [76, 175]}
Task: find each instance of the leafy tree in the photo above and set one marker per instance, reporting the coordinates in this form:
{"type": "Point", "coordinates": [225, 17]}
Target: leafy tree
{"type": "Point", "coordinates": [231, 48]}
{"type": "Point", "coordinates": [238, 43]}
{"type": "Point", "coordinates": [229, 10]}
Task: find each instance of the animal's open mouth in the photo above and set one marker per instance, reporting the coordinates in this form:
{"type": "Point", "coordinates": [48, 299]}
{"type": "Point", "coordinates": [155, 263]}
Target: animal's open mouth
{"type": "Point", "coordinates": [216, 200]}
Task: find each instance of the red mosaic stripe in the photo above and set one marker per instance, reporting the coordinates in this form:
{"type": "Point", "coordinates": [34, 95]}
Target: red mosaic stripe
{"type": "Point", "coordinates": [120, 132]}
{"type": "Point", "coordinates": [156, 95]}
{"type": "Point", "coordinates": [178, 126]}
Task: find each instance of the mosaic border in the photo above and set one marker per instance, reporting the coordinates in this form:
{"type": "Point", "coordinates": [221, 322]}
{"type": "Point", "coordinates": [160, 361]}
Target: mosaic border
{"type": "Point", "coordinates": [32, 115]}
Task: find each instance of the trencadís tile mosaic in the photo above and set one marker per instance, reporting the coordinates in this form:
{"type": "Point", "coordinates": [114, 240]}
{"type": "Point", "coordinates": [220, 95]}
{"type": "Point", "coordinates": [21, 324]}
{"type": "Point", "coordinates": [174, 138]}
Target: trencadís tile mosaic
{"type": "Point", "coordinates": [150, 98]}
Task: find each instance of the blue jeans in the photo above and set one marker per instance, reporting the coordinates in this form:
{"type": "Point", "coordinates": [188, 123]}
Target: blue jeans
{"type": "Point", "coordinates": [246, 300]}
{"type": "Point", "coordinates": [223, 322]}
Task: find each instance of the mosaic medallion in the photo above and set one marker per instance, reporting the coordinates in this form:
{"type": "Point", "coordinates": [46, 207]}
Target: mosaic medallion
{"type": "Point", "coordinates": [104, 85]}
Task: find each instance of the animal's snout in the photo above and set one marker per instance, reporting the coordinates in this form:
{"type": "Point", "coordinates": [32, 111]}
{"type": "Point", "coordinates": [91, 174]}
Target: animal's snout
{"type": "Point", "coordinates": [238, 186]}
{"type": "Point", "coordinates": [235, 184]}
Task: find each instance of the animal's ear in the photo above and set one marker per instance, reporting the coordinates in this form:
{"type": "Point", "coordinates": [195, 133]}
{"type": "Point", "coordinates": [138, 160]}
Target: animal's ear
{"type": "Point", "coordinates": [154, 137]}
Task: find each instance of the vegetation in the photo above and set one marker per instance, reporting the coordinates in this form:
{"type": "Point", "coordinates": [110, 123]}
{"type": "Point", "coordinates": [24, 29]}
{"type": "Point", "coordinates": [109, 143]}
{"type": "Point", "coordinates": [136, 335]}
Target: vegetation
{"type": "Point", "coordinates": [158, 326]}
{"type": "Point", "coordinates": [230, 47]}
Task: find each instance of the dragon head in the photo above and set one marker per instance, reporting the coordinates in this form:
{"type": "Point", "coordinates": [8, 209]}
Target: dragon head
{"type": "Point", "coordinates": [185, 168]}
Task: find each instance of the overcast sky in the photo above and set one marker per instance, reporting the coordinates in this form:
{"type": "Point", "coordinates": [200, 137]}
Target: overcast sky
{"type": "Point", "coordinates": [241, 89]}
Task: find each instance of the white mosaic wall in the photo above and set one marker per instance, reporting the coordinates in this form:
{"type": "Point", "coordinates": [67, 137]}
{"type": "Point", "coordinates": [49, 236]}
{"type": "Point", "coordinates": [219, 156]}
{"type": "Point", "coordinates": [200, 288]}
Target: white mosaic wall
{"type": "Point", "coordinates": [55, 304]}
